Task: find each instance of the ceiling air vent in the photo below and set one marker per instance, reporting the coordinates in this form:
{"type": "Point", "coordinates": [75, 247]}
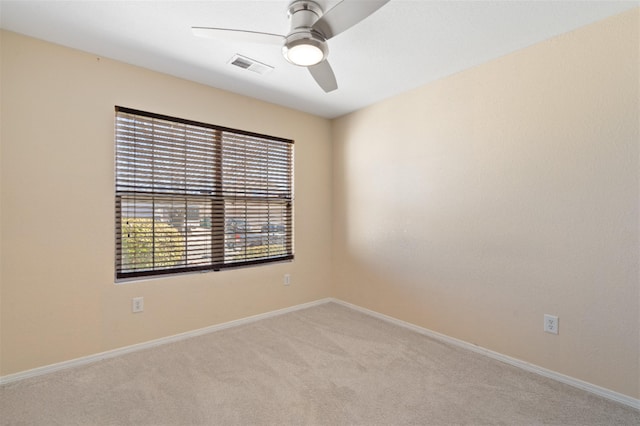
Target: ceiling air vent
{"type": "Point", "coordinates": [250, 64]}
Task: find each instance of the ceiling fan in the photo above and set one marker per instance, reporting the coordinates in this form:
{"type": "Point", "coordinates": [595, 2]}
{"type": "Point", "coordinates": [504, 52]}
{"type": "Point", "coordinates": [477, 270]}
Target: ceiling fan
{"type": "Point", "coordinates": [306, 43]}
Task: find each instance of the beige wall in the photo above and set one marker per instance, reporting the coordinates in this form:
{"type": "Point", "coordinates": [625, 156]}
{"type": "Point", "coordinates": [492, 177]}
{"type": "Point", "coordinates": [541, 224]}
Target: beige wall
{"type": "Point", "coordinates": [476, 204]}
{"type": "Point", "coordinates": [59, 300]}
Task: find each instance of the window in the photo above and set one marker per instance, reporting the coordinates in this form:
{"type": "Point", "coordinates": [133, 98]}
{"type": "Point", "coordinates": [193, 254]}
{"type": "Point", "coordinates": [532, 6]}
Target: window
{"type": "Point", "coordinates": [192, 196]}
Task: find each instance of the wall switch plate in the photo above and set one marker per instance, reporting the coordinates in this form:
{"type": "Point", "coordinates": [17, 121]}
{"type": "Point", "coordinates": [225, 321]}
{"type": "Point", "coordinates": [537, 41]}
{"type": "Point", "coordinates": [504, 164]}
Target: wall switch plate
{"type": "Point", "coordinates": [287, 279]}
{"type": "Point", "coordinates": [550, 324]}
{"type": "Point", "coordinates": [137, 304]}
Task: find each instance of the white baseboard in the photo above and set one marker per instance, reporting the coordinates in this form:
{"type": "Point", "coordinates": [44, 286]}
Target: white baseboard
{"type": "Point", "coordinates": [150, 344]}
{"type": "Point", "coordinates": [597, 390]}
{"type": "Point", "coordinates": [589, 387]}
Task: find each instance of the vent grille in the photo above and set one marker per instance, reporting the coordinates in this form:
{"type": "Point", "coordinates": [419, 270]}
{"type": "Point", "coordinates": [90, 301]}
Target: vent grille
{"type": "Point", "coordinates": [250, 64]}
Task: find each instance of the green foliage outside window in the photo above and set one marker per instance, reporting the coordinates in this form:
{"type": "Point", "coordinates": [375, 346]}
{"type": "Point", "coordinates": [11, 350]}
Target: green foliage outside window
{"type": "Point", "coordinates": [148, 244]}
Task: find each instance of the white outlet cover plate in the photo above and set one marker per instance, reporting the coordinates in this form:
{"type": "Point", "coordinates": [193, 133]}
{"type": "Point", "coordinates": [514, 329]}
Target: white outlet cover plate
{"type": "Point", "coordinates": [551, 324]}
{"type": "Point", "coordinates": [137, 304]}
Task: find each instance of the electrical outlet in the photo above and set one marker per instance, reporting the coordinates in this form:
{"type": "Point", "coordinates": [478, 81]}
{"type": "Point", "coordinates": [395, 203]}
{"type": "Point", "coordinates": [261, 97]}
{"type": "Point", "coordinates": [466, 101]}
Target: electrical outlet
{"type": "Point", "coordinates": [550, 324]}
{"type": "Point", "coordinates": [287, 279]}
{"type": "Point", "coordinates": [137, 304]}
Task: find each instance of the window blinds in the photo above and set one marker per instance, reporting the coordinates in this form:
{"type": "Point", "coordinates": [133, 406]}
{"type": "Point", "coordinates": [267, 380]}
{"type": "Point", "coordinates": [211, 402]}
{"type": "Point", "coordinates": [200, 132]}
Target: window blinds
{"type": "Point", "coordinates": [192, 196]}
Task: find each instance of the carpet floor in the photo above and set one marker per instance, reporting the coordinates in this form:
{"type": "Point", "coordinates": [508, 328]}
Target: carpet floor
{"type": "Point", "coordinates": [325, 365]}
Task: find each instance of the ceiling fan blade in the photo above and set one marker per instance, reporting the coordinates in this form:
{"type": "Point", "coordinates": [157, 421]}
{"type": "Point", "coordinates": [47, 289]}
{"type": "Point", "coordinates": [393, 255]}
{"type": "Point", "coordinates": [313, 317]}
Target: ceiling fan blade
{"type": "Point", "coordinates": [324, 76]}
{"type": "Point", "coordinates": [345, 15]}
{"type": "Point", "coordinates": [238, 35]}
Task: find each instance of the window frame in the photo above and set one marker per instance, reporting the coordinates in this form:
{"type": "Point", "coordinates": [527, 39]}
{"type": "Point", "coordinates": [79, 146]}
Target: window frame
{"type": "Point", "coordinates": [219, 197]}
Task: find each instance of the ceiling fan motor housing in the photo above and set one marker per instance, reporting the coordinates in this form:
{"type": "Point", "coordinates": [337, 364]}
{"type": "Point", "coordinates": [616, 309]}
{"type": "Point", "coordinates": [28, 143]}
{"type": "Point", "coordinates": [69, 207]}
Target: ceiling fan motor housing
{"type": "Point", "coordinates": [302, 15]}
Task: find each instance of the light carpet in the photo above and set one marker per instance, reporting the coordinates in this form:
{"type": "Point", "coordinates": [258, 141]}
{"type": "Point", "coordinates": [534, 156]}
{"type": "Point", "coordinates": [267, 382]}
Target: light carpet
{"type": "Point", "coordinates": [325, 365]}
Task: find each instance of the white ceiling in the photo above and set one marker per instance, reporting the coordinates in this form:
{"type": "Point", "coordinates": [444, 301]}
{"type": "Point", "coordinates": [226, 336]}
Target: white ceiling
{"type": "Point", "coordinates": [404, 45]}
